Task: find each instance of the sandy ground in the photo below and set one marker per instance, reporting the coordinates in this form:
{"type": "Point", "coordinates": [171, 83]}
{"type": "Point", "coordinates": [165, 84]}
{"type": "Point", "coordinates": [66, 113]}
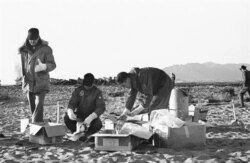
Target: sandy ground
{"type": "Point", "coordinates": [224, 142]}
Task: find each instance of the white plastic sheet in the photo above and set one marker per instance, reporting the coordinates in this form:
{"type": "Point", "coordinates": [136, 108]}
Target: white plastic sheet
{"type": "Point", "coordinates": [136, 130]}
{"type": "Point", "coordinates": [162, 119]}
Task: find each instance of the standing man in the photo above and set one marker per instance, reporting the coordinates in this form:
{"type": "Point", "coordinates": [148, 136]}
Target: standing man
{"type": "Point", "coordinates": [37, 61]}
{"type": "Point", "coordinates": [84, 109]}
{"type": "Point", "coordinates": [154, 83]}
{"type": "Point", "coordinates": [246, 84]}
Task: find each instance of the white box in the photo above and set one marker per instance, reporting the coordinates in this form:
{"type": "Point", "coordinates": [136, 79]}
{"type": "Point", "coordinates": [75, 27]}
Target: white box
{"type": "Point", "coordinates": [190, 134]}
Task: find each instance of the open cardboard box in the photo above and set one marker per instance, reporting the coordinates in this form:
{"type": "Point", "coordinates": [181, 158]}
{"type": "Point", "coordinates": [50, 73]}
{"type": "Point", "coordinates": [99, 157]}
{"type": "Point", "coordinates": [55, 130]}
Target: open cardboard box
{"type": "Point", "coordinates": [189, 135]}
{"type": "Point", "coordinates": [115, 142]}
{"type": "Point", "coordinates": [127, 139]}
{"type": "Point", "coordinates": [46, 133]}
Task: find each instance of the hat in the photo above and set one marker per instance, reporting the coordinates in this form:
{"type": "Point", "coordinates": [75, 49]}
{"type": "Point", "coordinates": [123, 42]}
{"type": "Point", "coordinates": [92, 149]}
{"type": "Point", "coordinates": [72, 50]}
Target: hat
{"type": "Point", "coordinates": [88, 79]}
{"type": "Point", "coordinates": [243, 67]}
{"type": "Point", "coordinates": [122, 76]}
{"type": "Point", "coordinates": [33, 34]}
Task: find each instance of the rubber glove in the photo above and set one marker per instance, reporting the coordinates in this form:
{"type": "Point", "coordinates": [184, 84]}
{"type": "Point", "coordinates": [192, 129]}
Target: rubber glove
{"type": "Point", "coordinates": [80, 127]}
{"type": "Point", "coordinates": [41, 66]}
{"type": "Point", "coordinates": [71, 114]}
{"type": "Point", "coordinates": [139, 109]}
{"type": "Point", "coordinates": [90, 118]}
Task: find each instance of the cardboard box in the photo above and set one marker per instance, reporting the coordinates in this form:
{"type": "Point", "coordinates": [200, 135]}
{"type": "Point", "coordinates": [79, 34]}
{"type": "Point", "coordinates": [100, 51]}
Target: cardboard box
{"type": "Point", "coordinates": [189, 135]}
{"type": "Point", "coordinates": [46, 133]}
{"type": "Point", "coordinates": [115, 142]}
{"type": "Point", "coordinates": [200, 114]}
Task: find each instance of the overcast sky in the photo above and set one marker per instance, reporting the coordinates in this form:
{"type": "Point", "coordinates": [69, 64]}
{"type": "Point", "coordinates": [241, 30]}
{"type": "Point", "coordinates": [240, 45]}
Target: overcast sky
{"type": "Point", "coordinates": [108, 36]}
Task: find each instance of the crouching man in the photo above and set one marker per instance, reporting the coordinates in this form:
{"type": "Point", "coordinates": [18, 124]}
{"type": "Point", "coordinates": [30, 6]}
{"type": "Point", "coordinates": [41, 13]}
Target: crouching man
{"type": "Point", "coordinates": [85, 106]}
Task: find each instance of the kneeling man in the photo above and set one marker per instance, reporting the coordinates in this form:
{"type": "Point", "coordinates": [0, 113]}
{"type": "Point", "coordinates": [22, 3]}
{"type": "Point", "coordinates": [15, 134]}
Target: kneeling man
{"type": "Point", "coordinates": [85, 106]}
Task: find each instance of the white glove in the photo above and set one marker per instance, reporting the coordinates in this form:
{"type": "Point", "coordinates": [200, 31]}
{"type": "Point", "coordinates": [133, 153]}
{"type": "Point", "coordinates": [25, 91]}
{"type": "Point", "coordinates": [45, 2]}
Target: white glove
{"type": "Point", "coordinates": [139, 109]}
{"type": "Point", "coordinates": [90, 118]}
{"type": "Point", "coordinates": [71, 114]}
{"type": "Point", "coordinates": [79, 127]}
{"type": "Point", "coordinates": [41, 66]}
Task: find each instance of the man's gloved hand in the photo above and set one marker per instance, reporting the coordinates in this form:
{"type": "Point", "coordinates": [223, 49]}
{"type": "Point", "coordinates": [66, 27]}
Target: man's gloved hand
{"type": "Point", "coordinates": [80, 127]}
{"type": "Point", "coordinates": [71, 114]}
{"type": "Point", "coordinates": [90, 118]}
{"type": "Point", "coordinates": [124, 114]}
{"type": "Point", "coordinates": [137, 110]}
{"type": "Point", "coordinates": [41, 66]}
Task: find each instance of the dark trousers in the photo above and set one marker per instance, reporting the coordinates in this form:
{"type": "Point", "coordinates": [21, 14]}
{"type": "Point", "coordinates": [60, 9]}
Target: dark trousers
{"type": "Point", "coordinates": [94, 127]}
{"type": "Point", "coordinates": [36, 101]}
{"type": "Point", "coordinates": [242, 92]}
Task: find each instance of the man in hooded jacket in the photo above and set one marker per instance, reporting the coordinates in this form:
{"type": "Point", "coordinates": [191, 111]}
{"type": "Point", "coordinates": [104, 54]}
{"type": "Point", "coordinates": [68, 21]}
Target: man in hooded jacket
{"type": "Point", "coordinates": [37, 61]}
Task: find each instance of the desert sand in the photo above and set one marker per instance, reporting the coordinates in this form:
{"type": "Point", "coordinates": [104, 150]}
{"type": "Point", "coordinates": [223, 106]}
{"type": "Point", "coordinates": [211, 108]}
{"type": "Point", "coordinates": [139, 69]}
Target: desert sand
{"type": "Point", "coordinates": [224, 142]}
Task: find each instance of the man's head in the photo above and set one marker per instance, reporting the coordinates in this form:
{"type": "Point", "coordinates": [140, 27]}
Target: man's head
{"type": "Point", "coordinates": [123, 78]}
{"type": "Point", "coordinates": [33, 36]}
{"type": "Point", "coordinates": [88, 80]}
{"type": "Point", "coordinates": [243, 67]}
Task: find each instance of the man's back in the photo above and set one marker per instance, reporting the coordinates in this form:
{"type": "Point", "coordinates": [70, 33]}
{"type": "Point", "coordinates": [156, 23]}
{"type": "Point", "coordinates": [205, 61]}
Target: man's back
{"type": "Point", "coordinates": [246, 78]}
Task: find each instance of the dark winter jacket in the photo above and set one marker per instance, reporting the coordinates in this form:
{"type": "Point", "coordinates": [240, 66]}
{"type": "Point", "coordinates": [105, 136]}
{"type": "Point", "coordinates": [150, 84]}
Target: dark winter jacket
{"type": "Point", "coordinates": [36, 81]}
{"type": "Point", "coordinates": [84, 102]}
{"type": "Point", "coordinates": [148, 81]}
{"type": "Point", "coordinates": [246, 78]}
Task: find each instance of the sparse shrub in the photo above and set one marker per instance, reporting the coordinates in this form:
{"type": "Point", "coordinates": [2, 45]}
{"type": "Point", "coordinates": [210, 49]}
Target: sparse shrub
{"type": "Point", "coordinates": [229, 90]}
{"type": "Point", "coordinates": [218, 97]}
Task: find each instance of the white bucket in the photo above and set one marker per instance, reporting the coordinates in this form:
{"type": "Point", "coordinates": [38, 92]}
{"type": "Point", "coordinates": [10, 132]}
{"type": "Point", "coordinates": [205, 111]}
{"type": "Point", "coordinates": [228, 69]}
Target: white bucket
{"type": "Point", "coordinates": [178, 103]}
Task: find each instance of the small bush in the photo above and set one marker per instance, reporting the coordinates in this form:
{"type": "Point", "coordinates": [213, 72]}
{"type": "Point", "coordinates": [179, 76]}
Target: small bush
{"type": "Point", "coordinates": [229, 90]}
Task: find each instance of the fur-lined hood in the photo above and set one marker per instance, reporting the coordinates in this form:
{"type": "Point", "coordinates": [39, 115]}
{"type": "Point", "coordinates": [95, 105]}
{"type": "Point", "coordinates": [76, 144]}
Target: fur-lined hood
{"type": "Point", "coordinates": [25, 48]}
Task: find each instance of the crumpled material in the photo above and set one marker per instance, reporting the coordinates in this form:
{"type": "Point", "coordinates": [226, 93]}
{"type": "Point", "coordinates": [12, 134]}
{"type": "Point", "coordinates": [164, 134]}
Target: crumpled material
{"type": "Point", "coordinates": [140, 117]}
{"type": "Point", "coordinates": [136, 130]}
{"type": "Point", "coordinates": [80, 129]}
{"type": "Point", "coordinates": [74, 136]}
{"type": "Point", "coordinates": [162, 119]}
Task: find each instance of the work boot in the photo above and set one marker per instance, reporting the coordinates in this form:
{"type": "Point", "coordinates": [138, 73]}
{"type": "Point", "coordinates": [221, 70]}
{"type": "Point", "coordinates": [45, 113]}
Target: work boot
{"type": "Point", "coordinates": [85, 137]}
{"type": "Point", "coordinates": [241, 101]}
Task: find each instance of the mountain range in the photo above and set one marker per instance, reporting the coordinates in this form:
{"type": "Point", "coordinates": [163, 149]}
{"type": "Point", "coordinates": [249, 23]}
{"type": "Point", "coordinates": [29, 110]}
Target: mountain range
{"type": "Point", "coordinates": [206, 72]}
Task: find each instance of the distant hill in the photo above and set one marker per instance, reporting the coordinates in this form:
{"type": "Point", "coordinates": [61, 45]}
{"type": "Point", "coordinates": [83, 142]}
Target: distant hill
{"type": "Point", "coordinates": [206, 72]}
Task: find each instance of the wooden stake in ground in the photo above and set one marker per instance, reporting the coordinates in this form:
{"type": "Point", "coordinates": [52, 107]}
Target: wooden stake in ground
{"type": "Point", "coordinates": [236, 122]}
{"type": "Point", "coordinates": [58, 113]}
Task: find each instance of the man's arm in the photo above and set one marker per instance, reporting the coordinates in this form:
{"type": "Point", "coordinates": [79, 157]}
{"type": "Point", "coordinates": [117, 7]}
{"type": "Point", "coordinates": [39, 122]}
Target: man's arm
{"type": "Point", "coordinates": [145, 78]}
{"type": "Point", "coordinates": [100, 104]}
{"type": "Point", "coordinates": [100, 108]}
{"type": "Point", "coordinates": [49, 59]}
{"type": "Point", "coordinates": [131, 99]}
{"type": "Point", "coordinates": [73, 102]}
